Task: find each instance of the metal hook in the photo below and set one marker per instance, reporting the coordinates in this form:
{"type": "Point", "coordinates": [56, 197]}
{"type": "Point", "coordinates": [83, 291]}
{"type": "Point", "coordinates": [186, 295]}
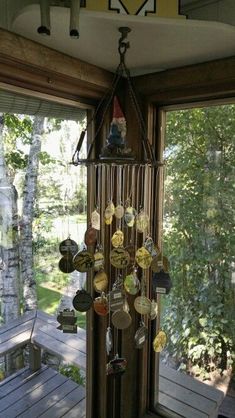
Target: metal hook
{"type": "Point", "coordinates": [123, 46]}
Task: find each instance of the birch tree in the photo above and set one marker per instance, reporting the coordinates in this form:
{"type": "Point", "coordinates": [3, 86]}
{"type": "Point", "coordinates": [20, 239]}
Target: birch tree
{"type": "Point", "coordinates": [29, 197]}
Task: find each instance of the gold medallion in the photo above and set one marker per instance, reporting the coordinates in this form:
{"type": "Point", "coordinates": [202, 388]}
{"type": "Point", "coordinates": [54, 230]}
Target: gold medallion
{"type": "Point", "coordinates": [159, 342]}
{"type": "Point", "coordinates": [98, 261]}
{"type": "Point", "coordinates": [109, 211]}
{"type": "Point", "coordinates": [119, 258]}
{"type": "Point", "coordinates": [160, 263]}
{"type": "Point", "coordinates": [117, 239]}
{"type": "Point", "coordinates": [100, 281]}
{"type": "Point", "coordinates": [129, 216]}
{"type": "Point", "coordinates": [108, 221]}
{"type": "Point", "coordinates": [143, 258]}
{"type": "Point", "coordinates": [142, 305]}
{"type": "Point", "coordinates": [119, 211]}
{"type": "Point", "coordinates": [132, 283]}
{"type": "Point", "coordinates": [83, 261]}
{"type": "Point", "coordinates": [142, 222]}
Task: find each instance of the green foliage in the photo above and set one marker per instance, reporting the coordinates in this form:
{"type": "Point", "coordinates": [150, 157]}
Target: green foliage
{"type": "Point", "coordinates": [198, 238]}
{"type": "Point", "coordinates": [73, 373]}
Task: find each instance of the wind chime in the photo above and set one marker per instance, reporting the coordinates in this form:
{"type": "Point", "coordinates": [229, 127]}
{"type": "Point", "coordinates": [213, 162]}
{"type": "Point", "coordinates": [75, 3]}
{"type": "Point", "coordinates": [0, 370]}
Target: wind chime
{"type": "Point", "coordinates": [119, 250]}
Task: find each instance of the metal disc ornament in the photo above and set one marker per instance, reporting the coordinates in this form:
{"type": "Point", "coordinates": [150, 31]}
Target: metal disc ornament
{"type": "Point", "coordinates": [98, 261]}
{"type": "Point", "coordinates": [142, 305]}
{"type": "Point", "coordinates": [108, 221]}
{"type": "Point", "coordinates": [116, 300]}
{"type": "Point", "coordinates": [109, 211]}
{"type": "Point", "coordinates": [121, 319]}
{"type": "Point", "coordinates": [83, 301]}
{"type": "Point", "coordinates": [83, 261]}
{"type": "Point", "coordinates": [159, 342]}
{"type": "Point", "coordinates": [119, 258]}
{"type": "Point", "coordinates": [160, 263]}
{"type": "Point", "coordinates": [95, 220]}
{"type": "Point", "coordinates": [151, 247]}
{"type": "Point", "coordinates": [100, 281]}
{"type": "Point", "coordinates": [68, 246]}
{"type": "Point", "coordinates": [143, 258]}
{"type": "Point", "coordinates": [119, 211]}
{"type": "Point", "coordinates": [132, 284]}
{"type": "Point", "coordinates": [141, 336]}
{"type": "Point", "coordinates": [101, 305]}
{"type": "Point", "coordinates": [66, 264]}
{"type": "Point", "coordinates": [142, 222]}
{"type": "Point", "coordinates": [129, 216]}
{"type": "Point", "coordinates": [117, 239]}
{"type": "Point", "coordinates": [116, 367]}
{"type": "Point", "coordinates": [90, 236]}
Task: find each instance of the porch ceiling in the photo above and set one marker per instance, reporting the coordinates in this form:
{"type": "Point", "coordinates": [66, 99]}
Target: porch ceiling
{"type": "Point", "coordinates": [156, 44]}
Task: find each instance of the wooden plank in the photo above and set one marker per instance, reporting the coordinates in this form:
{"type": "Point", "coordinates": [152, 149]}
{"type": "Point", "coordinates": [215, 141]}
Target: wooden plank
{"type": "Point", "coordinates": [79, 410]}
{"type": "Point", "coordinates": [34, 357]}
{"type": "Point", "coordinates": [187, 396]}
{"type": "Point", "coordinates": [13, 381]}
{"type": "Point", "coordinates": [189, 382]}
{"type": "Point", "coordinates": [64, 405]}
{"type": "Point", "coordinates": [15, 342]}
{"type": "Point", "coordinates": [13, 332]}
{"type": "Point", "coordinates": [38, 391]}
{"type": "Point", "coordinates": [51, 320]}
{"type": "Point", "coordinates": [62, 350]}
{"type": "Point", "coordinates": [72, 340]}
{"type": "Point", "coordinates": [27, 317]}
{"type": "Point", "coordinates": [177, 408]}
{"type": "Point", "coordinates": [47, 402]}
{"type": "Point", "coordinates": [29, 385]}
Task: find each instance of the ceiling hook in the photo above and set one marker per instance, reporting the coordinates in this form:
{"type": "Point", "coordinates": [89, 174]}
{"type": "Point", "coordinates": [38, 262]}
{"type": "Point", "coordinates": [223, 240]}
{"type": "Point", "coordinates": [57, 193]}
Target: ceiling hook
{"type": "Point", "coordinates": [123, 46]}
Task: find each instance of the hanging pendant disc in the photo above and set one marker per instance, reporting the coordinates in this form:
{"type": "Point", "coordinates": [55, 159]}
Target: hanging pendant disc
{"type": "Point", "coordinates": [108, 221]}
{"type": "Point", "coordinates": [141, 336]}
{"type": "Point", "coordinates": [90, 236]}
{"type": "Point", "coordinates": [159, 342]}
{"type": "Point", "coordinates": [66, 264]}
{"type": "Point", "coordinates": [99, 261]}
{"type": "Point", "coordinates": [100, 281]}
{"type": "Point", "coordinates": [68, 246]}
{"type": "Point", "coordinates": [119, 211]}
{"type": "Point", "coordinates": [142, 305]}
{"type": "Point", "coordinates": [142, 222]}
{"type": "Point", "coordinates": [109, 211]}
{"type": "Point", "coordinates": [129, 216]}
{"type": "Point", "coordinates": [82, 302]}
{"type": "Point", "coordinates": [101, 306]}
{"type": "Point", "coordinates": [116, 300]}
{"type": "Point", "coordinates": [143, 258]}
{"type": "Point", "coordinates": [95, 220]}
{"type": "Point", "coordinates": [119, 258]}
{"type": "Point", "coordinates": [132, 284]}
{"type": "Point", "coordinates": [83, 261]}
{"type": "Point", "coordinates": [121, 319]}
{"type": "Point", "coordinates": [117, 239]}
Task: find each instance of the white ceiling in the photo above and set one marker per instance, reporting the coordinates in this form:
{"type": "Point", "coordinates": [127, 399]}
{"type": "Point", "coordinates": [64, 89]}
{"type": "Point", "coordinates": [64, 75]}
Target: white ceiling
{"type": "Point", "coordinates": [156, 43]}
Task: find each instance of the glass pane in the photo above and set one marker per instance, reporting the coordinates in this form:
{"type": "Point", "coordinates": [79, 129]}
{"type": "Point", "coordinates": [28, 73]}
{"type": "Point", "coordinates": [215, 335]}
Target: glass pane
{"type": "Point", "coordinates": [198, 314]}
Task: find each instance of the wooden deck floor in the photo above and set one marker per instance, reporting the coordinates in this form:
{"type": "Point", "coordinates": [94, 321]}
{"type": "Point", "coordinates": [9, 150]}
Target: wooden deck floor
{"type": "Point", "coordinates": [45, 394]}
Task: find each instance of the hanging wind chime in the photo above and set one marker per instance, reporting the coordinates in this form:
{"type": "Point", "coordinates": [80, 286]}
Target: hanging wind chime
{"type": "Point", "coordinates": [119, 251]}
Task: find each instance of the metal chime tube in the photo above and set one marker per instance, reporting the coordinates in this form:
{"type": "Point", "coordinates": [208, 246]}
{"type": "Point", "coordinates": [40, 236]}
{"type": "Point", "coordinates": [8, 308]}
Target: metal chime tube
{"type": "Point", "coordinates": [45, 28]}
{"type": "Point", "coordinates": [74, 18]}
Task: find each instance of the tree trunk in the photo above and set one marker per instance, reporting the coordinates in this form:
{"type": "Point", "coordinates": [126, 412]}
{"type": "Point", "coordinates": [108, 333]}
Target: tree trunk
{"type": "Point", "coordinates": [9, 251]}
{"type": "Point", "coordinates": [29, 197]}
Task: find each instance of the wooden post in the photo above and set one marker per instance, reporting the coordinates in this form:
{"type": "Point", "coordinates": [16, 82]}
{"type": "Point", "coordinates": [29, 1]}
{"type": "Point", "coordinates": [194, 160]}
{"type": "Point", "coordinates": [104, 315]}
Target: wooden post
{"type": "Point", "coordinates": [34, 357]}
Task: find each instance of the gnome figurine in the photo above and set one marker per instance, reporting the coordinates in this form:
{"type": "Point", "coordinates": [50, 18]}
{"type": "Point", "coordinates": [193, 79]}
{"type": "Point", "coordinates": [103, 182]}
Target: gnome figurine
{"type": "Point", "coordinates": [116, 141]}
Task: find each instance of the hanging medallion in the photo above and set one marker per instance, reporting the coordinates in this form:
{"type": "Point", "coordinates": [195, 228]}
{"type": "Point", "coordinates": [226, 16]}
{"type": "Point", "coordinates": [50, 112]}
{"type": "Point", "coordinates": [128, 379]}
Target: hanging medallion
{"type": "Point", "coordinates": [66, 264]}
{"type": "Point", "coordinates": [142, 222]}
{"type": "Point", "coordinates": [98, 261]}
{"type": "Point", "coordinates": [160, 263]}
{"type": "Point", "coordinates": [161, 282]}
{"type": "Point", "coordinates": [117, 239]}
{"type": "Point", "coordinates": [142, 305]}
{"type": "Point", "coordinates": [141, 336]}
{"type": "Point", "coordinates": [95, 220]}
{"type": "Point", "coordinates": [121, 319]}
{"type": "Point", "coordinates": [109, 211]}
{"type": "Point", "coordinates": [101, 305]}
{"type": "Point", "coordinates": [132, 283]}
{"type": "Point", "coordinates": [119, 258]}
{"type": "Point", "coordinates": [154, 310]}
{"type": "Point", "coordinates": [159, 342]}
{"type": "Point", "coordinates": [108, 221]}
{"type": "Point", "coordinates": [129, 216]}
{"type": "Point", "coordinates": [143, 258]}
{"type": "Point", "coordinates": [67, 321]}
{"type": "Point", "coordinates": [83, 261]}
{"type": "Point", "coordinates": [116, 367]}
{"type": "Point", "coordinates": [83, 301]}
{"type": "Point", "coordinates": [119, 211]}
{"type": "Point", "coordinates": [116, 299]}
{"type": "Point", "coordinates": [68, 246]}
{"type": "Point", "coordinates": [151, 247]}
{"type": "Point", "coordinates": [100, 281]}
{"type": "Point", "coordinates": [90, 236]}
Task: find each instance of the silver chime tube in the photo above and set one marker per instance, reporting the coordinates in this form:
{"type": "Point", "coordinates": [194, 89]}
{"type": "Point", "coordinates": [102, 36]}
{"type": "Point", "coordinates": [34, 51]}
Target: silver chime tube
{"type": "Point", "coordinates": [45, 28]}
{"type": "Point", "coordinates": [74, 18]}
